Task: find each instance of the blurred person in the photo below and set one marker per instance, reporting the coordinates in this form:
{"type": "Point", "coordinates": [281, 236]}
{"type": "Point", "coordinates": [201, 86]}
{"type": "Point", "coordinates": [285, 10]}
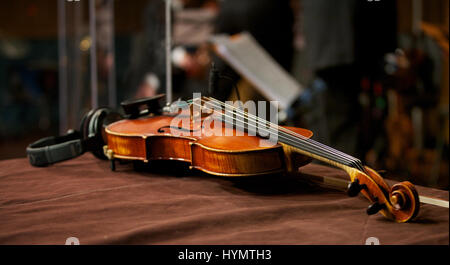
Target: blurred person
{"type": "Point", "coordinates": [269, 22]}
{"type": "Point", "coordinates": [147, 63]}
{"type": "Point", "coordinates": [346, 42]}
{"type": "Point", "coordinates": [192, 26]}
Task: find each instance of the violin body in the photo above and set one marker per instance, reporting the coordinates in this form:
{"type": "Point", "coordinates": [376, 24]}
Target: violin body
{"type": "Point", "coordinates": [235, 155]}
{"type": "Point", "coordinates": [217, 142]}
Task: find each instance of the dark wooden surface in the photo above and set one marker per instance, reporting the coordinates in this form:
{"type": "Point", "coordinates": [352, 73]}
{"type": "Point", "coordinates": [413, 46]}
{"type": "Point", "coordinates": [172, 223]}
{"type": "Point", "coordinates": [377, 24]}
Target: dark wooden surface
{"type": "Point", "coordinates": [170, 205]}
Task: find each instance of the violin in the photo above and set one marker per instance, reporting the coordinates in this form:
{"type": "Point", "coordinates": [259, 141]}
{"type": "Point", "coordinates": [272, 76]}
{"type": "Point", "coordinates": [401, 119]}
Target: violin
{"type": "Point", "coordinates": [224, 140]}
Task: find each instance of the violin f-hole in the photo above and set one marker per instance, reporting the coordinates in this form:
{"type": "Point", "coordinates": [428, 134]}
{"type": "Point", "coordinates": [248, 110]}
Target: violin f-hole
{"type": "Point", "coordinates": [162, 129]}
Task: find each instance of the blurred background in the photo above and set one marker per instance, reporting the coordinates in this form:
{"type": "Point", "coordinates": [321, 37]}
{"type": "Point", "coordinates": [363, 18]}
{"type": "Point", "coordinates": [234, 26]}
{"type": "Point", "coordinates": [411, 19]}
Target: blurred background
{"type": "Point", "coordinates": [375, 72]}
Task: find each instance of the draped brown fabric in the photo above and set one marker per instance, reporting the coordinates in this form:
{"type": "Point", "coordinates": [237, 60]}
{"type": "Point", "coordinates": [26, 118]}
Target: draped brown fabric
{"type": "Point", "coordinates": [82, 198]}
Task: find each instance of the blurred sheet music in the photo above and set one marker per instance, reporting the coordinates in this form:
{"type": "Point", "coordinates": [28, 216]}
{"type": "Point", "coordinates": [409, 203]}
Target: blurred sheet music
{"type": "Point", "coordinates": [243, 53]}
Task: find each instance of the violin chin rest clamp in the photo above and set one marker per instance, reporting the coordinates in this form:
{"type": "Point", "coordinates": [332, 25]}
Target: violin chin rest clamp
{"type": "Point", "coordinates": [136, 108]}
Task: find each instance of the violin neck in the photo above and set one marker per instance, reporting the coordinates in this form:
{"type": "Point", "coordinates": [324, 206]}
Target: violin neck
{"type": "Point", "coordinates": [320, 152]}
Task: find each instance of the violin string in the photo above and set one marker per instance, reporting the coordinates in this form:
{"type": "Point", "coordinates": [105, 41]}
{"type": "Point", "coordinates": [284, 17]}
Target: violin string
{"type": "Point", "coordinates": [289, 140]}
{"type": "Point", "coordinates": [356, 162]}
{"type": "Point", "coordinates": [276, 132]}
{"type": "Point", "coordinates": [314, 149]}
{"type": "Point", "coordinates": [295, 143]}
{"type": "Point", "coordinates": [332, 150]}
{"type": "Point", "coordinates": [350, 160]}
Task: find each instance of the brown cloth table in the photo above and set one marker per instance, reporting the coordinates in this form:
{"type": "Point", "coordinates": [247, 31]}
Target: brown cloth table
{"type": "Point", "coordinates": [82, 198]}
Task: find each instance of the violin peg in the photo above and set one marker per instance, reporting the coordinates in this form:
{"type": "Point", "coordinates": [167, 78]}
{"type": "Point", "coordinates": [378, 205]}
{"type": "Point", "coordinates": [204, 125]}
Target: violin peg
{"type": "Point", "coordinates": [375, 208]}
{"type": "Point", "coordinates": [354, 188]}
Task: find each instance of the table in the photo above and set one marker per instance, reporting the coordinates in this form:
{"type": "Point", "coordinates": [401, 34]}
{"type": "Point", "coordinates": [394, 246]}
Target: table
{"type": "Point", "coordinates": [83, 198]}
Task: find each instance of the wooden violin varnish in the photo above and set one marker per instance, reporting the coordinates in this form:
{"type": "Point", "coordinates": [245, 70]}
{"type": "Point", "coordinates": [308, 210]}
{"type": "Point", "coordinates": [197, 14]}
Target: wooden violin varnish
{"type": "Point", "coordinates": [226, 141]}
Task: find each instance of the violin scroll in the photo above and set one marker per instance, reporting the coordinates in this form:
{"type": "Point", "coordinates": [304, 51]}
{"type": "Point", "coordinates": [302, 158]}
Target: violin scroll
{"type": "Point", "coordinates": [400, 202]}
{"type": "Point", "coordinates": [405, 201]}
